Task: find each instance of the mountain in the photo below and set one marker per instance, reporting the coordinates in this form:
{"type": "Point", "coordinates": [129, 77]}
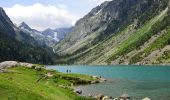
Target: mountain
{"type": "Point", "coordinates": [6, 23]}
{"type": "Point", "coordinates": [119, 32]}
{"type": "Point", "coordinates": [24, 26]}
{"type": "Point", "coordinates": [47, 37]}
{"type": "Point", "coordinates": [15, 44]}
{"type": "Point", "coordinates": [57, 34]}
{"type": "Point", "coordinates": [62, 32]}
{"type": "Point", "coordinates": [41, 39]}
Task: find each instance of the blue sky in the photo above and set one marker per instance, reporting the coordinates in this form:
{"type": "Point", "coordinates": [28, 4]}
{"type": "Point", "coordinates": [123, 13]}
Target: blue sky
{"type": "Point", "coordinates": [42, 14]}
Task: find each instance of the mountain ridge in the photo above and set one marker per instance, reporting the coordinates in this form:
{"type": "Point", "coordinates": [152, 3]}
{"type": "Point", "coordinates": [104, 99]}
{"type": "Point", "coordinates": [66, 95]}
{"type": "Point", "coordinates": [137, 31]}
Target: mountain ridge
{"type": "Point", "coordinates": [115, 32]}
{"type": "Point", "coordinates": [57, 34]}
{"type": "Point", "coordinates": [37, 35]}
{"type": "Point", "coordinates": [116, 40]}
{"type": "Point", "coordinates": [17, 45]}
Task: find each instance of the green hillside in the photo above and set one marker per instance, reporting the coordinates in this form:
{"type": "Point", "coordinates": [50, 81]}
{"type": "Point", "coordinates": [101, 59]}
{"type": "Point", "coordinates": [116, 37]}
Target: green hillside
{"type": "Point", "coordinates": [11, 49]}
{"type": "Point", "coordinates": [17, 45]}
{"type": "Point", "coordinates": [130, 45]}
{"type": "Point", "coordinates": [23, 83]}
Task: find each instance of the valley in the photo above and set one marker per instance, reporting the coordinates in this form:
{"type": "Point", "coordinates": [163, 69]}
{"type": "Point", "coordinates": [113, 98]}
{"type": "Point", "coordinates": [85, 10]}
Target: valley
{"type": "Point", "coordinates": [115, 48]}
{"type": "Point", "coordinates": [119, 47]}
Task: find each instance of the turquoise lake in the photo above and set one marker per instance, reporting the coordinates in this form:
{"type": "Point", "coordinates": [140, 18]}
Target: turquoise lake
{"type": "Point", "coordinates": [137, 81]}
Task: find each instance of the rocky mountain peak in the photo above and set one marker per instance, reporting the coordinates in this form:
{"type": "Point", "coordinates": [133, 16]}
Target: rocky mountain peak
{"type": "Point", "coordinates": [4, 16]}
{"type": "Point", "coordinates": [6, 24]}
{"type": "Point", "coordinates": [47, 32]}
{"type": "Point", "coordinates": [107, 19]}
{"type": "Point", "coordinates": [23, 25]}
{"type": "Point", "coordinates": [2, 11]}
{"type": "Point", "coordinates": [57, 34]}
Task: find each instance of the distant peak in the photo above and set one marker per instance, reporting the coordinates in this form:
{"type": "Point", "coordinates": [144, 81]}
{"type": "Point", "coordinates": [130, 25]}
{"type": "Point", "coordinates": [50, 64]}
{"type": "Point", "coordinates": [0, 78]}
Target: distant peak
{"type": "Point", "coordinates": [48, 29]}
{"type": "Point", "coordinates": [24, 25]}
{"type": "Point", "coordinates": [5, 16]}
{"type": "Point", "coordinates": [1, 8]}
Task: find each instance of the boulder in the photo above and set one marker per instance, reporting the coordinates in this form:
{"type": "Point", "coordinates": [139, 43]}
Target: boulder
{"type": "Point", "coordinates": [94, 82]}
{"type": "Point", "coordinates": [11, 64]}
{"type": "Point", "coordinates": [146, 98]}
{"type": "Point", "coordinates": [38, 68]}
{"type": "Point", "coordinates": [90, 95]}
{"type": "Point", "coordinates": [49, 74]}
{"type": "Point", "coordinates": [115, 99]}
{"type": "Point", "coordinates": [8, 64]}
{"type": "Point", "coordinates": [105, 98]}
{"type": "Point", "coordinates": [124, 97]}
{"type": "Point", "coordinates": [29, 65]}
{"type": "Point", "coordinates": [99, 97]}
{"type": "Point", "coordinates": [102, 80]}
{"type": "Point", "coordinates": [78, 91]}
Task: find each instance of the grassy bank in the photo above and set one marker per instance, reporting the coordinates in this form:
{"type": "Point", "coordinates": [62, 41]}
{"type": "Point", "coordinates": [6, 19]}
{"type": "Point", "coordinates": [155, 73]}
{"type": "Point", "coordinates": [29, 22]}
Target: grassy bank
{"type": "Point", "coordinates": [21, 83]}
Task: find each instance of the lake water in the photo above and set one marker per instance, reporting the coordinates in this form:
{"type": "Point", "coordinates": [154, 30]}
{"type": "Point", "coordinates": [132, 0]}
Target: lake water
{"type": "Point", "coordinates": [137, 81]}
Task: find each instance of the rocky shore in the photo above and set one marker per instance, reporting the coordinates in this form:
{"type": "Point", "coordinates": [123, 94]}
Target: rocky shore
{"type": "Point", "coordinates": [95, 79]}
{"type": "Point", "coordinates": [105, 97]}
{"type": "Point", "coordinates": [122, 97]}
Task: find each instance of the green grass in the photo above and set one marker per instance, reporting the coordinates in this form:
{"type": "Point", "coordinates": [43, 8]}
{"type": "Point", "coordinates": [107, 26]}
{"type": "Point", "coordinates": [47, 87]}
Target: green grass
{"type": "Point", "coordinates": [165, 58]}
{"type": "Point", "coordinates": [159, 43]}
{"type": "Point", "coordinates": [135, 40]}
{"type": "Point", "coordinates": [156, 45]}
{"type": "Point", "coordinates": [106, 51]}
{"type": "Point", "coordinates": [97, 51]}
{"type": "Point", "coordinates": [21, 84]}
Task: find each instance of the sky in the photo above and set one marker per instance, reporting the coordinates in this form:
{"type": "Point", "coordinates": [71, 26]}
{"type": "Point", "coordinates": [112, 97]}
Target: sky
{"type": "Point", "coordinates": [43, 14]}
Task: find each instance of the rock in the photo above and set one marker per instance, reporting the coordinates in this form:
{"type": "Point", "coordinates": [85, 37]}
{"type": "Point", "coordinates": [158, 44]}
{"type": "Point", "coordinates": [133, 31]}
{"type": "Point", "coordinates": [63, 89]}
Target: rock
{"type": "Point", "coordinates": [38, 68]}
{"type": "Point", "coordinates": [94, 82]}
{"type": "Point", "coordinates": [78, 91]}
{"type": "Point", "coordinates": [95, 77]}
{"type": "Point", "coordinates": [29, 65]}
{"type": "Point", "coordinates": [102, 80]}
{"type": "Point", "coordinates": [115, 99]}
{"type": "Point", "coordinates": [105, 98]}
{"type": "Point", "coordinates": [49, 74]}
{"type": "Point", "coordinates": [146, 98]}
{"type": "Point", "coordinates": [111, 98]}
{"type": "Point", "coordinates": [11, 64]}
{"type": "Point", "coordinates": [8, 64]}
{"type": "Point", "coordinates": [124, 97]}
{"type": "Point", "coordinates": [90, 95]}
{"type": "Point", "coordinates": [33, 67]}
{"type": "Point", "coordinates": [99, 97]}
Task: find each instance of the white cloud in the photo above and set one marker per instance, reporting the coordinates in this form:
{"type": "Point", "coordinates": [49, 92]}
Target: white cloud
{"type": "Point", "coordinates": [40, 17]}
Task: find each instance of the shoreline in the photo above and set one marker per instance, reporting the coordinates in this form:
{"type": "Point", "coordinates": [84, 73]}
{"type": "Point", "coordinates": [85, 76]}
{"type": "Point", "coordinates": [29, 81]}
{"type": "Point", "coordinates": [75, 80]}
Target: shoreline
{"type": "Point", "coordinates": [77, 81]}
{"type": "Point", "coordinates": [8, 67]}
{"type": "Point", "coordinates": [122, 65]}
{"type": "Point", "coordinates": [85, 70]}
